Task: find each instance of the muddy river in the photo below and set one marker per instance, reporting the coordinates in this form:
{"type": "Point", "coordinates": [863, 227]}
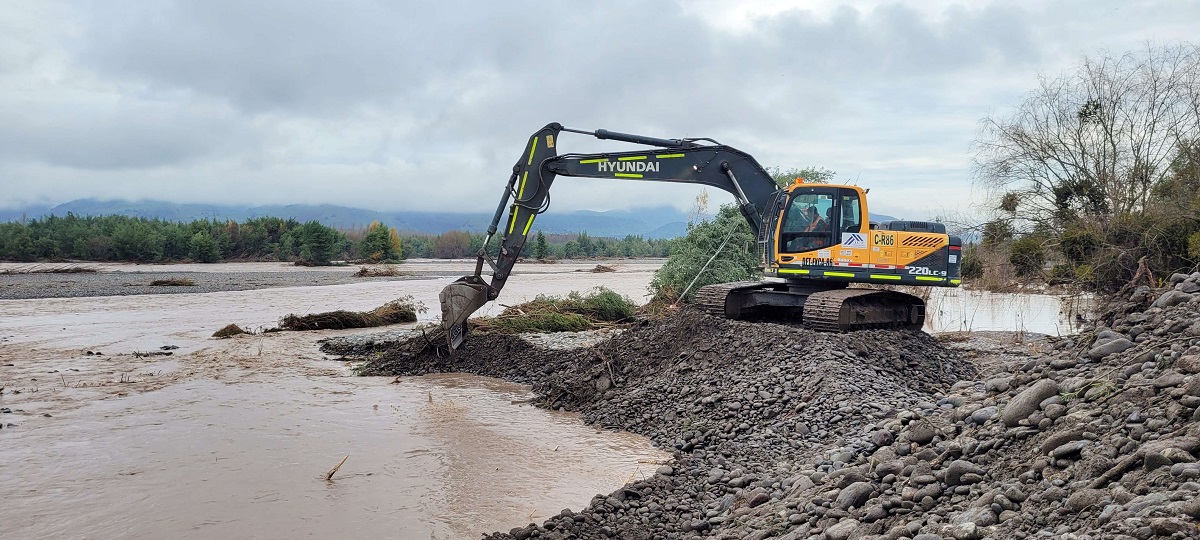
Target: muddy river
{"type": "Point", "coordinates": [106, 436]}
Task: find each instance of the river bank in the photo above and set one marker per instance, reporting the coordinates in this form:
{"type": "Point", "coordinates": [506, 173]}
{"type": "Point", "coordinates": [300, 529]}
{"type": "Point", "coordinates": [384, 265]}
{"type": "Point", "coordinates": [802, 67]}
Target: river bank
{"type": "Point", "coordinates": [782, 433]}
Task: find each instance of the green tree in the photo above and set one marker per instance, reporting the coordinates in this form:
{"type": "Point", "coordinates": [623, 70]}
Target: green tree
{"type": "Point", "coordinates": [817, 175]}
{"type": "Point", "coordinates": [736, 261]}
{"type": "Point", "coordinates": [317, 243]}
{"type": "Point", "coordinates": [135, 240]}
{"type": "Point", "coordinates": [540, 250]}
{"type": "Point", "coordinates": [203, 248]}
{"type": "Point", "coordinates": [377, 245]}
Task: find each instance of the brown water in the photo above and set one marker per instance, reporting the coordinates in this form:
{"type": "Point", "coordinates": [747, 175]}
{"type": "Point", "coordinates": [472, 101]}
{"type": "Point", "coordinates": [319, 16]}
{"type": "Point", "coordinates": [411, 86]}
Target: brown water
{"type": "Point", "coordinates": [431, 457]}
{"type": "Point", "coordinates": [232, 438]}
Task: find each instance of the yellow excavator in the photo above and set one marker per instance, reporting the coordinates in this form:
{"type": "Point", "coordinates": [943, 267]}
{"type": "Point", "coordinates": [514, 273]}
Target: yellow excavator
{"type": "Point", "coordinates": [814, 239]}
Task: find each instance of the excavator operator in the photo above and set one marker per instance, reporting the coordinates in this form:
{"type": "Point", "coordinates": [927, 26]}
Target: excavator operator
{"type": "Point", "coordinates": [816, 224]}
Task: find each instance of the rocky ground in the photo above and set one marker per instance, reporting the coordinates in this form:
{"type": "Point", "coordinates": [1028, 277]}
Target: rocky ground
{"type": "Point", "coordinates": [780, 432]}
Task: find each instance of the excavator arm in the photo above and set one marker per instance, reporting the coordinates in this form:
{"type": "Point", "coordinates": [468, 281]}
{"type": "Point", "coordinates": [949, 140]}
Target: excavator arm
{"type": "Point", "coordinates": [527, 194]}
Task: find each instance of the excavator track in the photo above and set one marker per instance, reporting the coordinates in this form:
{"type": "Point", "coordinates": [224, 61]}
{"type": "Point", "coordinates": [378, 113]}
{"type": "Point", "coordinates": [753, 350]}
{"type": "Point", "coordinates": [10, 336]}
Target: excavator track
{"type": "Point", "coordinates": [832, 310]}
{"type": "Point", "coordinates": [711, 298]}
{"type": "Point", "coordinates": [844, 310]}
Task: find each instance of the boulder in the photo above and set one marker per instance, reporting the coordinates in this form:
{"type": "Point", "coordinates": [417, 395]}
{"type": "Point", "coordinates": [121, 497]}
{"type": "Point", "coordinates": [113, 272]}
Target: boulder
{"type": "Point", "coordinates": [1026, 402]}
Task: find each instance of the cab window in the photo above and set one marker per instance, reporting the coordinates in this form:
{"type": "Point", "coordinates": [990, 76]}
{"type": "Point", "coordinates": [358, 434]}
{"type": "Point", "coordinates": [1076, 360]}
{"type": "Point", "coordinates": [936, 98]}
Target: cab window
{"type": "Point", "coordinates": [806, 223]}
{"type": "Point", "coordinates": [851, 212]}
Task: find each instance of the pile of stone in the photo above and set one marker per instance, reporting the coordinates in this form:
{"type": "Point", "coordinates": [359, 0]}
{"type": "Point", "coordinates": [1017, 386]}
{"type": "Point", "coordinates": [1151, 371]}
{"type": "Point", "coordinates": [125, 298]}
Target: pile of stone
{"type": "Point", "coordinates": [785, 433]}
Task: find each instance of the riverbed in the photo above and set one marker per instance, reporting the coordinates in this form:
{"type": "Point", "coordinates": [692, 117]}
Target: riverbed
{"type": "Point", "coordinates": [128, 420]}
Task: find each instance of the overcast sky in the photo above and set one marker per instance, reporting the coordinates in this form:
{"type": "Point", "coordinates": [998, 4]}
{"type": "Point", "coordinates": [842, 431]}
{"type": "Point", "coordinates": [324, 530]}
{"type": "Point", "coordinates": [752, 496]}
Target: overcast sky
{"type": "Point", "coordinates": [426, 105]}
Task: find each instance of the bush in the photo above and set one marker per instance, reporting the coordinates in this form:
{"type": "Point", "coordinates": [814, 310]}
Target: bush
{"type": "Point", "coordinates": [1078, 244]}
{"type": "Point", "coordinates": [737, 261]}
{"type": "Point", "coordinates": [1061, 274]}
{"type": "Point", "coordinates": [1027, 256]}
{"type": "Point", "coordinates": [1084, 275]}
{"type": "Point", "coordinates": [972, 264]}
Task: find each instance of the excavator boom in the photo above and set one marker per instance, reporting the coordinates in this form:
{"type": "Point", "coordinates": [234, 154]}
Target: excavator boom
{"type": "Point", "coordinates": [526, 195]}
{"type": "Point", "coordinates": [815, 264]}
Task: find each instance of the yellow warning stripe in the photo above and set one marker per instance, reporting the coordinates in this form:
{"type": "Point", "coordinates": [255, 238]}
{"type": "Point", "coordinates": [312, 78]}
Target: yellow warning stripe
{"type": "Point", "coordinates": [528, 224]}
{"type": "Point", "coordinates": [521, 192]}
{"type": "Point", "coordinates": [928, 278]}
{"type": "Point", "coordinates": [839, 274]}
{"type": "Point", "coordinates": [512, 218]}
{"type": "Point", "coordinates": [586, 161]}
{"type": "Point", "coordinates": [627, 175]}
{"type": "Point", "coordinates": [631, 158]}
{"type": "Point", "coordinates": [669, 156]}
{"type": "Point", "coordinates": [956, 281]}
{"type": "Point", "coordinates": [532, 147]}
{"type": "Point", "coordinates": [792, 271]}
{"type": "Point", "coordinates": [879, 276]}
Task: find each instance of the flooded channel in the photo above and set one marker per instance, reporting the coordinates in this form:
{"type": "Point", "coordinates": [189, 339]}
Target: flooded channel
{"type": "Point", "coordinates": [108, 436]}
{"type": "Point", "coordinates": [232, 438]}
{"type": "Point", "coordinates": [432, 457]}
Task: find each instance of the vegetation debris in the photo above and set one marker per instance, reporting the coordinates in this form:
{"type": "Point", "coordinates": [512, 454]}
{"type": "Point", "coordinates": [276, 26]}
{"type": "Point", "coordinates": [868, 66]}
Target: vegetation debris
{"type": "Point", "coordinates": [378, 271]}
{"type": "Point", "coordinates": [52, 270]}
{"type": "Point", "coordinates": [173, 282]}
{"type": "Point", "coordinates": [401, 310]}
{"type": "Point", "coordinates": [229, 330]}
{"type": "Point", "coordinates": [600, 269]}
{"type": "Point", "coordinates": [576, 312]}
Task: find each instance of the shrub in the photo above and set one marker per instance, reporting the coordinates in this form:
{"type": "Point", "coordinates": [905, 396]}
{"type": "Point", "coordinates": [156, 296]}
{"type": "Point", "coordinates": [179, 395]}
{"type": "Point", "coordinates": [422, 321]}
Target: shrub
{"type": "Point", "coordinates": [737, 261]}
{"type": "Point", "coordinates": [972, 264]}
{"type": "Point", "coordinates": [1027, 256]}
{"type": "Point", "coordinates": [1078, 244]}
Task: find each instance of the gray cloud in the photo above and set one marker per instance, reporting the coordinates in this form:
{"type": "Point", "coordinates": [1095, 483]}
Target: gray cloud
{"type": "Point", "coordinates": [389, 105]}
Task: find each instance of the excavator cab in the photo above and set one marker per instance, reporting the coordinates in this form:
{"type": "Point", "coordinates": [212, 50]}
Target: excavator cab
{"type": "Point", "coordinates": [817, 216]}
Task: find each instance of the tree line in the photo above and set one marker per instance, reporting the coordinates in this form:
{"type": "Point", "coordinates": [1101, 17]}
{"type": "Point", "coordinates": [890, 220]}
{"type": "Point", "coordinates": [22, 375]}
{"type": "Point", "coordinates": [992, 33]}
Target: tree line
{"type": "Point", "coordinates": [138, 239]}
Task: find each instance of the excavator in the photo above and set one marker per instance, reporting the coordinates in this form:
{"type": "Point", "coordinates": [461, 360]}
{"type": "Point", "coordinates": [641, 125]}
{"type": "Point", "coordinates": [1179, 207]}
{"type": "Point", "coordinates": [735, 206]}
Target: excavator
{"type": "Point", "coordinates": [814, 239]}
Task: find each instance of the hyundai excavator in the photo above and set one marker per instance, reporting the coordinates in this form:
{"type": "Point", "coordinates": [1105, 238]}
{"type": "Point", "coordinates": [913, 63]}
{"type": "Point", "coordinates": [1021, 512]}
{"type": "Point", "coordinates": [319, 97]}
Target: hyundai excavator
{"type": "Point", "coordinates": [814, 239]}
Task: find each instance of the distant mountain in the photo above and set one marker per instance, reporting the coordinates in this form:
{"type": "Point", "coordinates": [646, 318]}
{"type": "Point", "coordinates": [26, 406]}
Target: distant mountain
{"type": "Point", "coordinates": [661, 222]}
{"type": "Point", "coordinates": [20, 214]}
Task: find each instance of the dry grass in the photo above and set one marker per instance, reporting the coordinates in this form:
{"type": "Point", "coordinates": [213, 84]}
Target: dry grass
{"type": "Point", "coordinates": [401, 310]}
{"type": "Point", "coordinates": [173, 282]}
{"type": "Point", "coordinates": [229, 330]}
{"type": "Point", "coordinates": [600, 269]}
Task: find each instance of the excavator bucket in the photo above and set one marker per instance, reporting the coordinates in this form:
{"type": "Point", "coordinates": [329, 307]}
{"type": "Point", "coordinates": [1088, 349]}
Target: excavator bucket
{"type": "Point", "coordinates": [459, 301]}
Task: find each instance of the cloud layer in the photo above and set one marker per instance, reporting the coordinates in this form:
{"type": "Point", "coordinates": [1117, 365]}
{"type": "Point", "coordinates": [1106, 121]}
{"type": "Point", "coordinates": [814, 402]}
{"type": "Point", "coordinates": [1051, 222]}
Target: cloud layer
{"type": "Point", "coordinates": [426, 106]}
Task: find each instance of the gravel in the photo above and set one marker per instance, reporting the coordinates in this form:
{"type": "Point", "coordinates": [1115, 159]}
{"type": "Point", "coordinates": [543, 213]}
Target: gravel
{"type": "Point", "coordinates": [37, 285]}
{"type": "Point", "coordinates": [779, 432]}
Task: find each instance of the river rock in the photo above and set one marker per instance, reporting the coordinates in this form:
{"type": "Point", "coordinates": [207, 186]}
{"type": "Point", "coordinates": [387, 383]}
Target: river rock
{"type": "Point", "coordinates": [1026, 402]}
{"type": "Point", "coordinates": [1171, 298]}
{"type": "Point", "coordinates": [1109, 347]}
{"type": "Point", "coordinates": [854, 495]}
{"type": "Point", "coordinates": [841, 530]}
